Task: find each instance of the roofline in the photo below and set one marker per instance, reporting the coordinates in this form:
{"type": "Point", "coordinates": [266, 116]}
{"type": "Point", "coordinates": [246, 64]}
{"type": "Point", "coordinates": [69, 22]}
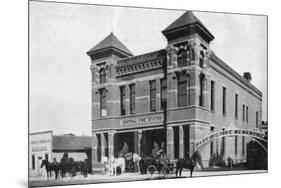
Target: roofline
{"type": "Point", "coordinates": [41, 132]}
{"type": "Point", "coordinates": [187, 26]}
{"type": "Point", "coordinates": [71, 136]}
{"type": "Point", "coordinates": [132, 57]}
{"type": "Point", "coordinates": [231, 71]}
{"type": "Point", "coordinates": [90, 52]}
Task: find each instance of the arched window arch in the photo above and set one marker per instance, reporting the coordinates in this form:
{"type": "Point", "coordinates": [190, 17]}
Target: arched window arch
{"type": "Point", "coordinates": [201, 59]}
{"type": "Point", "coordinates": [182, 58]}
{"type": "Point", "coordinates": [102, 76]}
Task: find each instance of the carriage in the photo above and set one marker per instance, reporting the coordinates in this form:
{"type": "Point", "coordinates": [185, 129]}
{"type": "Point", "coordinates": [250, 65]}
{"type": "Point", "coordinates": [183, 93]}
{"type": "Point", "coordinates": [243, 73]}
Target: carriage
{"type": "Point", "coordinates": [161, 166]}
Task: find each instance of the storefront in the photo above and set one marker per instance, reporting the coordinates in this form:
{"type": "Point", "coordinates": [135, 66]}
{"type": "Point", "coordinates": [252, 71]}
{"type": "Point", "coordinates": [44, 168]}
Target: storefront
{"type": "Point", "coordinates": [40, 148]}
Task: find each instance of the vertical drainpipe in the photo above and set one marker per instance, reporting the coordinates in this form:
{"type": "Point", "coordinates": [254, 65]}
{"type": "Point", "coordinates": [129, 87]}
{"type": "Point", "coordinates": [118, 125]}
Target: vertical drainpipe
{"type": "Point", "coordinates": [165, 106]}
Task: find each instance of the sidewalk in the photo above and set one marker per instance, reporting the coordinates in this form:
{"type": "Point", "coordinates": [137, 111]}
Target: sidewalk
{"type": "Point", "coordinates": [104, 178]}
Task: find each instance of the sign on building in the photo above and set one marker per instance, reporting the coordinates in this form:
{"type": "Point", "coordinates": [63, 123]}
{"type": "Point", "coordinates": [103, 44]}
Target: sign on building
{"type": "Point", "coordinates": [40, 148]}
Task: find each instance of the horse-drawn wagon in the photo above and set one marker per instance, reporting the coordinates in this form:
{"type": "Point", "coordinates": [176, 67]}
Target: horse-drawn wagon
{"type": "Point", "coordinates": [158, 164]}
{"type": "Point", "coordinates": [151, 166]}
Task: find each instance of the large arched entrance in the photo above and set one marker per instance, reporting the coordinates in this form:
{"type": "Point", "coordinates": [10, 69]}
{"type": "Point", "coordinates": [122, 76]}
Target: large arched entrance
{"type": "Point", "coordinates": [258, 142]}
{"type": "Point", "coordinates": [254, 134]}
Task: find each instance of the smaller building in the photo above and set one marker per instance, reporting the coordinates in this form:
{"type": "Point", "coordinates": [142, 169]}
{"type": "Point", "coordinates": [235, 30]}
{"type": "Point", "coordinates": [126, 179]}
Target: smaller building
{"type": "Point", "coordinates": [46, 146]}
{"type": "Point", "coordinates": [40, 148]}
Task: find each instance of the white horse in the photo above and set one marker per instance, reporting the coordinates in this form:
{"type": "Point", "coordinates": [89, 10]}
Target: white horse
{"type": "Point", "coordinates": [114, 163]}
{"type": "Point", "coordinates": [104, 161]}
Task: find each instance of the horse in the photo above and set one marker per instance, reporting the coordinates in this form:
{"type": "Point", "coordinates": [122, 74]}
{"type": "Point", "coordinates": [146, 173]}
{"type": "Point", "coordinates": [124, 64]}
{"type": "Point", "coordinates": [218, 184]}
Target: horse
{"type": "Point", "coordinates": [85, 168]}
{"type": "Point", "coordinates": [81, 166]}
{"type": "Point", "coordinates": [136, 161]}
{"type": "Point", "coordinates": [68, 165]}
{"type": "Point", "coordinates": [104, 161]}
{"type": "Point", "coordinates": [114, 163]}
{"type": "Point", "coordinates": [50, 167]}
{"type": "Point", "coordinates": [189, 163]}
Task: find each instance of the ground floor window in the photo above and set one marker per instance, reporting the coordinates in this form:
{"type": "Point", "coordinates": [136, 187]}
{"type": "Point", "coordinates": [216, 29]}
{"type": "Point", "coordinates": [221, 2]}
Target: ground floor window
{"type": "Point", "coordinates": [186, 141]}
{"type": "Point", "coordinates": [236, 141]}
{"type": "Point", "coordinates": [33, 162]}
{"type": "Point", "coordinates": [176, 142]}
{"type": "Point", "coordinates": [243, 145]}
{"type": "Point", "coordinates": [212, 143]}
{"type": "Point", "coordinates": [223, 145]}
{"type": "Point", "coordinates": [99, 147]}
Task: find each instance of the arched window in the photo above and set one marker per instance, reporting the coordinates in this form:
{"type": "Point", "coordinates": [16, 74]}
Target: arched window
{"type": "Point", "coordinates": [102, 76]}
{"type": "Point", "coordinates": [201, 60]}
{"type": "Point", "coordinates": [192, 54]}
{"type": "Point", "coordinates": [182, 58]}
{"type": "Point", "coordinates": [182, 90]}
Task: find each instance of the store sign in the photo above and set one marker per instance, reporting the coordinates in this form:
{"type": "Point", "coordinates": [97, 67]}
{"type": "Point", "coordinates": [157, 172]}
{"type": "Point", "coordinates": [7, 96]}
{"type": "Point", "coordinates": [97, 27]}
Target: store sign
{"type": "Point", "coordinates": [41, 142]}
{"type": "Point", "coordinates": [231, 132]}
{"type": "Point", "coordinates": [40, 148]}
{"type": "Point", "coordinates": [141, 120]}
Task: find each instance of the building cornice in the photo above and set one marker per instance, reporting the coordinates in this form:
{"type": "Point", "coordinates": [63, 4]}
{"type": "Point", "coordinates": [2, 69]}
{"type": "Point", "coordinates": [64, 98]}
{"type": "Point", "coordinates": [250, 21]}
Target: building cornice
{"type": "Point", "coordinates": [236, 75]}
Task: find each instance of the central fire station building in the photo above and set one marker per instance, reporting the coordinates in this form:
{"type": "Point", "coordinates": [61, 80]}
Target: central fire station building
{"type": "Point", "coordinates": [176, 95]}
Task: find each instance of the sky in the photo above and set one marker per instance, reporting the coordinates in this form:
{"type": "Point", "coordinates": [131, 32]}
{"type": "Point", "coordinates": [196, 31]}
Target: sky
{"type": "Point", "coordinates": [61, 34]}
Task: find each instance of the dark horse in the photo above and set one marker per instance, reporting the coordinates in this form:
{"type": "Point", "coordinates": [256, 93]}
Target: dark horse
{"type": "Point", "coordinates": [189, 163]}
{"type": "Point", "coordinates": [50, 167]}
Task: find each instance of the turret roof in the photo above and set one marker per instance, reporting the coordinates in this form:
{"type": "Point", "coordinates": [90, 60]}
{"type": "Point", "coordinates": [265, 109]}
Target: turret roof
{"type": "Point", "coordinates": [110, 41]}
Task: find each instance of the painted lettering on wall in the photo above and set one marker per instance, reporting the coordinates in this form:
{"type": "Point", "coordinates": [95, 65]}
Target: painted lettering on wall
{"type": "Point", "coordinates": [36, 149]}
{"type": "Point", "coordinates": [142, 119]}
{"type": "Point", "coordinates": [40, 141]}
{"type": "Point", "coordinates": [230, 132]}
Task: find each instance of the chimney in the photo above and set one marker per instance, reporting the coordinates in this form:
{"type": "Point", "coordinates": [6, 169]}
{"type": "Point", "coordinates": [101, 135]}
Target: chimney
{"type": "Point", "coordinates": [248, 76]}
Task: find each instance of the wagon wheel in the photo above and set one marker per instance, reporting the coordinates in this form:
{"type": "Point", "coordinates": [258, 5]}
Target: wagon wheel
{"type": "Point", "coordinates": [165, 171]}
{"type": "Point", "coordinates": [151, 169]}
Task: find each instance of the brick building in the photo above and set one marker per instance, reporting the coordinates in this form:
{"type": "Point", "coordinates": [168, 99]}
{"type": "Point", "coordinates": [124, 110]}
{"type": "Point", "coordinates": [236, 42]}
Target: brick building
{"type": "Point", "coordinates": [175, 95]}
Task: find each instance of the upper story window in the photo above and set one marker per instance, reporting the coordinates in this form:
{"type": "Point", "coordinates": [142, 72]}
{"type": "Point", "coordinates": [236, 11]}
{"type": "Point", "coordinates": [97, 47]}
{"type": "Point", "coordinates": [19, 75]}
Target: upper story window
{"type": "Point", "coordinates": [243, 112]}
{"type": "Point", "coordinates": [201, 59]}
{"type": "Point", "coordinates": [257, 119]}
{"type": "Point", "coordinates": [102, 76]}
{"type": "Point", "coordinates": [192, 54]}
{"type": "Point", "coordinates": [123, 100]}
{"type": "Point", "coordinates": [247, 114]}
{"type": "Point", "coordinates": [202, 90]}
{"type": "Point", "coordinates": [236, 106]}
{"type": "Point", "coordinates": [163, 83]}
{"type": "Point", "coordinates": [103, 111]}
{"type": "Point", "coordinates": [132, 98]}
{"type": "Point", "coordinates": [212, 95]}
{"type": "Point", "coordinates": [224, 100]}
{"type": "Point", "coordinates": [182, 90]}
{"type": "Point", "coordinates": [182, 58]}
{"type": "Point", "coordinates": [152, 95]}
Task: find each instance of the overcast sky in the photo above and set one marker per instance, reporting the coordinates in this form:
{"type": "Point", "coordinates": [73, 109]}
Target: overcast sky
{"type": "Point", "coordinates": [61, 34]}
